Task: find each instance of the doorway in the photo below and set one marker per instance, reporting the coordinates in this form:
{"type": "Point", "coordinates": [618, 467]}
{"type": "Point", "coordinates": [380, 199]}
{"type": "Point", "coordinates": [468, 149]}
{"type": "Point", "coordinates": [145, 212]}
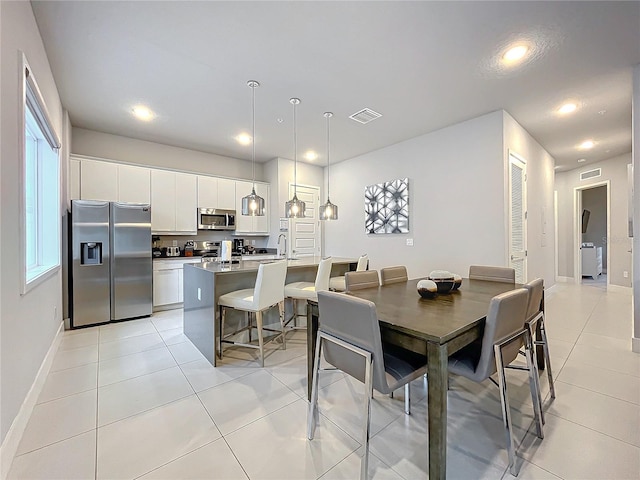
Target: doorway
{"type": "Point", "coordinates": [304, 233]}
{"type": "Point", "coordinates": [591, 233]}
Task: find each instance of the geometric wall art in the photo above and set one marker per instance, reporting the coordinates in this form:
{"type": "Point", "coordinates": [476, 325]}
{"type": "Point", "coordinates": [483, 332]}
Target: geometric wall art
{"type": "Point", "coordinates": [386, 207]}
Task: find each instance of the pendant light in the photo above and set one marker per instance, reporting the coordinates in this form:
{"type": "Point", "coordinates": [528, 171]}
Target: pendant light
{"type": "Point", "coordinates": [253, 204]}
{"type": "Point", "coordinates": [328, 211]}
{"type": "Point", "coordinates": [294, 208]}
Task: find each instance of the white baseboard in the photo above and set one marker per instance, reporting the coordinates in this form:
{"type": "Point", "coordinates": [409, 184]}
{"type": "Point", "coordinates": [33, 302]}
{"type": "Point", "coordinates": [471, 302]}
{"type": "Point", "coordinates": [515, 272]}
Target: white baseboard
{"type": "Point", "coordinates": [635, 344]}
{"type": "Point", "coordinates": [619, 289]}
{"type": "Point", "coordinates": [14, 435]}
{"type": "Point", "coordinates": [565, 280]}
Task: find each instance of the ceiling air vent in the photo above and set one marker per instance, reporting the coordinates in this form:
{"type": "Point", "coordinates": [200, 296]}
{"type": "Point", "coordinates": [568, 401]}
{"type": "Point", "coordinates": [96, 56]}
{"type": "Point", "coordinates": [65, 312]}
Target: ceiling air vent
{"type": "Point", "coordinates": [365, 115]}
{"type": "Point", "coordinates": [590, 174]}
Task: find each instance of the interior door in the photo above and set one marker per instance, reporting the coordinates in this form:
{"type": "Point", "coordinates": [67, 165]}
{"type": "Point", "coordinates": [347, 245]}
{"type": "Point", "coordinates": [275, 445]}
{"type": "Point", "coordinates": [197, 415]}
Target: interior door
{"type": "Point", "coordinates": [518, 217]}
{"type": "Point", "coordinates": [305, 232]}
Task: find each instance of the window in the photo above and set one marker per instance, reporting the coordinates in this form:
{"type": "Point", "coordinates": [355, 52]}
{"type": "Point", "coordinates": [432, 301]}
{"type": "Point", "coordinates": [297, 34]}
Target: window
{"type": "Point", "coordinates": [40, 208]}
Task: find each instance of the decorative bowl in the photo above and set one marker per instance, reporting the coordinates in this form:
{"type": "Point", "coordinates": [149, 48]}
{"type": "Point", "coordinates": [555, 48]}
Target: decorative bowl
{"type": "Point", "coordinates": [443, 279]}
{"type": "Point", "coordinates": [427, 288]}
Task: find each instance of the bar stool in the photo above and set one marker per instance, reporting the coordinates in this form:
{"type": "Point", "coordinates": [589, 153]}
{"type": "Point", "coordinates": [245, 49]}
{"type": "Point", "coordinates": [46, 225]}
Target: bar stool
{"type": "Point", "coordinates": [338, 284]}
{"type": "Point", "coordinates": [267, 293]}
{"type": "Point", "coordinates": [307, 290]}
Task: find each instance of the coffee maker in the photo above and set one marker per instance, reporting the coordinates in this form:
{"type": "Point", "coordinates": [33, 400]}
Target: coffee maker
{"type": "Point", "coordinates": [238, 245]}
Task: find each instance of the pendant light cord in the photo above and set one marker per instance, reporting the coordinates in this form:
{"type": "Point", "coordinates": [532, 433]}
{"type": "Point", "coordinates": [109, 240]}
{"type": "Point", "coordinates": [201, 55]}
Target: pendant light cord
{"type": "Point", "coordinates": [295, 152]}
{"type": "Point", "coordinates": [253, 134]}
{"type": "Point", "coordinates": [328, 116]}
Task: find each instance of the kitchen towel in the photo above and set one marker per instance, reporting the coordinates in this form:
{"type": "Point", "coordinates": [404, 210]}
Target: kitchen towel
{"type": "Point", "coordinates": [225, 252]}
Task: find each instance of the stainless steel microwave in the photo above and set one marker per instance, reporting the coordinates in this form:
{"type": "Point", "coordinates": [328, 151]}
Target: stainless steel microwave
{"type": "Point", "coordinates": [216, 219]}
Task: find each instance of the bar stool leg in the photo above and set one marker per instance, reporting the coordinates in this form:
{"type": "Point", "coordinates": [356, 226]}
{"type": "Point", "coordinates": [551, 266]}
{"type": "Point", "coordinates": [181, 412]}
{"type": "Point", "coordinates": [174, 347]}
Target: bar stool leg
{"type": "Point", "coordinates": [407, 400]}
{"type": "Point", "coordinates": [260, 340]}
{"type": "Point", "coordinates": [223, 312]}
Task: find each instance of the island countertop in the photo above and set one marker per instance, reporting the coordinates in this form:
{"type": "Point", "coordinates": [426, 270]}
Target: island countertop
{"type": "Point", "coordinates": [252, 265]}
{"type": "Point", "coordinates": [205, 282]}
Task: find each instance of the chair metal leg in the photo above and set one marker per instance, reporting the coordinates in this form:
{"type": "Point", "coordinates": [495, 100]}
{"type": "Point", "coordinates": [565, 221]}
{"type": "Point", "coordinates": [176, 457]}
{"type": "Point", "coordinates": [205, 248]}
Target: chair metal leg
{"type": "Point", "coordinates": [547, 358]}
{"type": "Point", "coordinates": [534, 386]}
{"type": "Point", "coordinates": [312, 414]}
{"type": "Point", "coordinates": [407, 400]}
{"type": "Point", "coordinates": [281, 312]}
{"type": "Point", "coordinates": [368, 392]}
{"type": "Point", "coordinates": [295, 312]}
{"type": "Point", "coordinates": [506, 411]}
{"type": "Point", "coordinates": [260, 339]}
{"type": "Point", "coordinates": [249, 324]}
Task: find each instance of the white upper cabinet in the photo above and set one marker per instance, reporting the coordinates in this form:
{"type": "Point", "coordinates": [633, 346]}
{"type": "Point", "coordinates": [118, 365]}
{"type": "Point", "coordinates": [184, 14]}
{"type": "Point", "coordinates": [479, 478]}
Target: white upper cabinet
{"type": "Point", "coordinates": [207, 192]}
{"type": "Point", "coordinates": [227, 195]}
{"type": "Point", "coordinates": [112, 182]}
{"type": "Point", "coordinates": [163, 201]}
{"type": "Point", "coordinates": [173, 202]}
{"type": "Point", "coordinates": [134, 184]}
{"type": "Point", "coordinates": [216, 193]}
{"type": "Point", "coordinates": [245, 223]}
{"type": "Point", "coordinates": [99, 181]}
{"type": "Point", "coordinates": [186, 203]}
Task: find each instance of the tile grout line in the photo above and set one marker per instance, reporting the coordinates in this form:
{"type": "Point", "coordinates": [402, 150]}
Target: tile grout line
{"type": "Point", "coordinates": [599, 393]}
{"type": "Point", "coordinates": [597, 431]}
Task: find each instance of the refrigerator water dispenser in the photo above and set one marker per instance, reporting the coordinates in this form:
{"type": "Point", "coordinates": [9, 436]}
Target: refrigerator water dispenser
{"type": "Point", "coordinates": [91, 253]}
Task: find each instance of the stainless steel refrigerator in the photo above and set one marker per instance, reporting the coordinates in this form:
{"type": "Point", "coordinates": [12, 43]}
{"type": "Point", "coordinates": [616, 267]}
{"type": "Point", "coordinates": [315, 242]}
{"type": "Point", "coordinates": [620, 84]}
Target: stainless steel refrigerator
{"type": "Point", "coordinates": [111, 272]}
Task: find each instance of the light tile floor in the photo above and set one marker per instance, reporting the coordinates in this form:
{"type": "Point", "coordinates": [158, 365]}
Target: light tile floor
{"type": "Point", "coordinates": [136, 400]}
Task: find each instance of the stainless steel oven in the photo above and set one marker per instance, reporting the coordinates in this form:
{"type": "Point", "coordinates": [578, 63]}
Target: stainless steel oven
{"type": "Point", "coordinates": [216, 219]}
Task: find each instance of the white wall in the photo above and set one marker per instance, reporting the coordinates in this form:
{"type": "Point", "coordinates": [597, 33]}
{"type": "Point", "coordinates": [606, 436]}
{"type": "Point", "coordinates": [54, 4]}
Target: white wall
{"type": "Point", "coordinates": [540, 182]}
{"type": "Point", "coordinates": [27, 322]}
{"type": "Point", "coordinates": [456, 185]}
{"type": "Point", "coordinates": [619, 243]}
{"type": "Point", "coordinates": [125, 149]}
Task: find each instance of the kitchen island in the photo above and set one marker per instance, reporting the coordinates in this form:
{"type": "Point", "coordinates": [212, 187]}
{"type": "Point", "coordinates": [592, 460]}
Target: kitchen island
{"type": "Point", "coordinates": [205, 282]}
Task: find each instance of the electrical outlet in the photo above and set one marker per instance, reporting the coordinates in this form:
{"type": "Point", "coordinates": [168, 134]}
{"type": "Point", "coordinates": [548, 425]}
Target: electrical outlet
{"type": "Point", "coordinates": [199, 294]}
{"type": "Point", "coordinates": [253, 242]}
{"type": "Point", "coordinates": [174, 243]}
{"type": "Point", "coordinates": [625, 274]}
{"type": "Point", "coordinates": [409, 242]}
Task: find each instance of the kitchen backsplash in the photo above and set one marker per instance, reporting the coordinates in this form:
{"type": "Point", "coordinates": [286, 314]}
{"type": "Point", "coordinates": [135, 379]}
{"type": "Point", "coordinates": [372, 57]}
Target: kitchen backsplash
{"type": "Point", "coordinates": [167, 240]}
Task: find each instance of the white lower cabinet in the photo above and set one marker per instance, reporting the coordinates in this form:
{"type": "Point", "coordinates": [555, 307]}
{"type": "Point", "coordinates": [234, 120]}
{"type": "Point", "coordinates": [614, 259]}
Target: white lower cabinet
{"type": "Point", "coordinates": [166, 286]}
{"type": "Point", "coordinates": [168, 281]}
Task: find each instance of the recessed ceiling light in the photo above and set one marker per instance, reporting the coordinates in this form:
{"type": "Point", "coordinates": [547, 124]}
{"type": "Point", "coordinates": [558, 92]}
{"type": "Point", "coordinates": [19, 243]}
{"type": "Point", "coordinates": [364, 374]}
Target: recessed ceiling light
{"type": "Point", "coordinates": [515, 53]}
{"type": "Point", "coordinates": [244, 139]}
{"type": "Point", "coordinates": [142, 112]}
{"type": "Point", "coordinates": [587, 144]}
{"type": "Point", "coordinates": [567, 108]}
{"type": "Point", "coordinates": [582, 160]}
{"type": "Point", "coordinates": [602, 112]}
{"type": "Point", "coordinates": [311, 155]}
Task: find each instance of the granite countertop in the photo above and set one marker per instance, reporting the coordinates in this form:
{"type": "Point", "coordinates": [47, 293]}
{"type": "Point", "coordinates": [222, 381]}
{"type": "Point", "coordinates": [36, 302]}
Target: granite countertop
{"type": "Point", "coordinates": [252, 265]}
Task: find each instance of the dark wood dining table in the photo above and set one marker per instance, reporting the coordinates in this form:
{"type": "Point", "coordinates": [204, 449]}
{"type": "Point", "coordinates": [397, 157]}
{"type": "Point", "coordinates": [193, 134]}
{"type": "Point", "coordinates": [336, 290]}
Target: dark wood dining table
{"type": "Point", "coordinates": [434, 327]}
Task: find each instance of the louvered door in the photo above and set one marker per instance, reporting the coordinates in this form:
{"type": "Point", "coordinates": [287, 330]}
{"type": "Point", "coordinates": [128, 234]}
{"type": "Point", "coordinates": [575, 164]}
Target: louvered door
{"type": "Point", "coordinates": [518, 217]}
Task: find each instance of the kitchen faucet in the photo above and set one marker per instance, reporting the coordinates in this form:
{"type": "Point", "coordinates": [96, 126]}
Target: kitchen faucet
{"type": "Point", "coordinates": [282, 235]}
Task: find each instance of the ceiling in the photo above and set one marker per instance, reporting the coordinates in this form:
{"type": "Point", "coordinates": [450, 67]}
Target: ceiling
{"type": "Point", "coordinates": [422, 65]}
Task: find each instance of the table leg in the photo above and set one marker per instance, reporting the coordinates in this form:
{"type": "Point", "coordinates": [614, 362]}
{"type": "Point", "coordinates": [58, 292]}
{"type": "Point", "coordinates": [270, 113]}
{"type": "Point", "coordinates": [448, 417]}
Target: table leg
{"type": "Point", "coordinates": [437, 376]}
{"type": "Point", "coordinates": [312, 335]}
